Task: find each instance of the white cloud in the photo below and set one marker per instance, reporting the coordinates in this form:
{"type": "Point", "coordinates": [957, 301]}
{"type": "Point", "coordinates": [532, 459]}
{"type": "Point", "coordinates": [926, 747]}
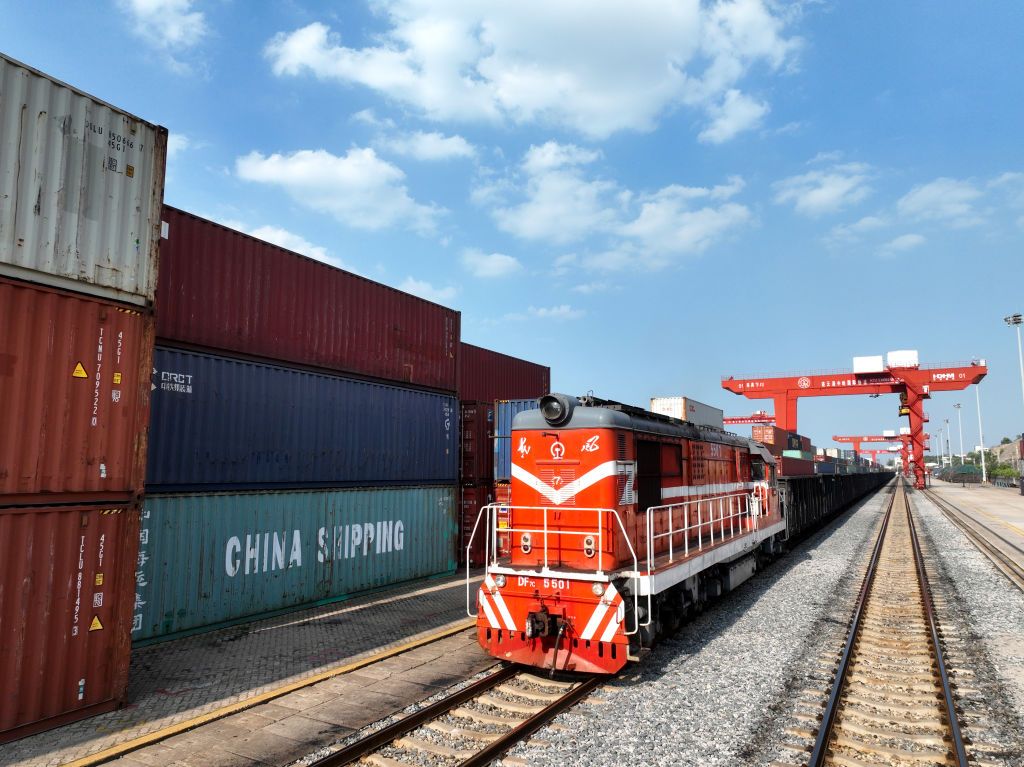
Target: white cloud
{"type": "Point", "coordinates": [425, 290]}
{"type": "Point", "coordinates": [825, 191]}
{"type": "Point", "coordinates": [589, 288]}
{"type": "Point", "coordinates": [902, 244]}
{"type": "Point", "coordinates": [360, 189]}
{"type": "Point", "coordinates": [168, 26]}
{"type": "Point", "coordinates": [853, 232]}
{"type": "Point", "coordinates": [945, 199]}
{"type": "Point", "coordinates": [561, 205]}
{"type": "Point", "coordinates": [595, 68]}
{"type": "Point", "coordinates": [736, 113]}
{"type": "Point", "coordinates": [668, 226]}
{"type": "Point", "coordinates": [428, 146]}
{"type": "Point", "coordinates": [176, 144]}
{"type": "Point", "coordinates": [559, 312]}
{"type": "Point", "coordinates": [489, 265]}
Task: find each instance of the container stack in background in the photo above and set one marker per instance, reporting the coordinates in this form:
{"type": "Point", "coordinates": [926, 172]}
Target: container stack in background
{"type": "Point", "coordinates": [487, 381]}
{"type": "Point", "coordinates": [81, 188]}
{"type": "Point", "coordinates": [304, 438]}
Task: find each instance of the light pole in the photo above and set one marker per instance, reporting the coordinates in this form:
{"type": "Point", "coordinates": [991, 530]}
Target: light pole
{"type": "Point", "coordinates": [961, 422]}
{"type": "Point", "coordinates": [1015, 320]}
{"type": "Point", "coordinates": [942, 455]}
{"type": "Point", "coordinates": [949, 450]}
{"type": "Point", "coordinates": [981, 435]}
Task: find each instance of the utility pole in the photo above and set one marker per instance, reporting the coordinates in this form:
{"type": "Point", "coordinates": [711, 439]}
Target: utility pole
{"type": "Point", "coordinates": [981, 436]}
{"type": "Point", "coordinates": [963, 459]}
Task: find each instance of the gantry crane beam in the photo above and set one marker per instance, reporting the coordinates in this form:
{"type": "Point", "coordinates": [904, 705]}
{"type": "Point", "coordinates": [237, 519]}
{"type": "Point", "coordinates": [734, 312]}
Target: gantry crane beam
{"type": "Point", "coordinates": [913, 384]}
{"type": "Point", "coordinates": [870, 439]}
{"type": "Point", "coordinates": [760, 417]}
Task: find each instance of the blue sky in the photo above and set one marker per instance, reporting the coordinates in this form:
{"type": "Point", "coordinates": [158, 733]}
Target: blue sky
{"type": "Point", "coordinates": [645, 196]}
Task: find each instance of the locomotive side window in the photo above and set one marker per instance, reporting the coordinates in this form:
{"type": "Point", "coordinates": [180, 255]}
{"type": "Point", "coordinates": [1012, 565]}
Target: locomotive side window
{"type": "Point", "coordinates": [757, 471]}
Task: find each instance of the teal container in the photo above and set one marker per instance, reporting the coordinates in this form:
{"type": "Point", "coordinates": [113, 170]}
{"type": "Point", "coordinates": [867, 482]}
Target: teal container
{"type": "Point", "coordinates": [805, 455]}
{"type": "Point", "coordinates": [208, 560]}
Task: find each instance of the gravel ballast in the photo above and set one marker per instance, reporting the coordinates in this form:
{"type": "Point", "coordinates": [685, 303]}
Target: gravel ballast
{"type": "Point", "coordinates": [718, 691]}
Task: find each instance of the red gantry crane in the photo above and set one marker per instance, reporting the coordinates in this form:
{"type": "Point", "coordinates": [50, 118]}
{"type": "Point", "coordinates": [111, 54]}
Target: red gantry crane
{"type": "Point", "coordinates": [873, 439]}
{"type": "Point", "coordinates": [902, 375]}
{"type": "Point", "coordinates": [754, 418]}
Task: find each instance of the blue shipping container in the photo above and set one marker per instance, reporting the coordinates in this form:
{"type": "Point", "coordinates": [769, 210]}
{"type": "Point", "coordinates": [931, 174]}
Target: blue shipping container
{"type": "Point", "coordinates": [824, 467]}
{"type": "Point", "coordinates": [214, 558]}
{"type": "Point", "coordinates": [504, 412]}
{"type": "Point", "coordinates": [221, 423]}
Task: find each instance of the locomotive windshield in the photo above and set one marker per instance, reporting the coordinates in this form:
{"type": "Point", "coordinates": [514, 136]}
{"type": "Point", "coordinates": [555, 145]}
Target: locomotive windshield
{"type": "Point", "coordinates": [757, 471]}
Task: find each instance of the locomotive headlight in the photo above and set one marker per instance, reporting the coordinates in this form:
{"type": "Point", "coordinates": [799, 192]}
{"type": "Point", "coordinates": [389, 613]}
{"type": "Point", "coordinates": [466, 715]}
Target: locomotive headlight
{"type": "Point", "coordinates": [499, 581]}
{"type": "Point", "coordinates": [557, 408]}
{"type": "Point", "coordinates": [525, 543]}
{"type": "Point", "coordinates": [598, 589]}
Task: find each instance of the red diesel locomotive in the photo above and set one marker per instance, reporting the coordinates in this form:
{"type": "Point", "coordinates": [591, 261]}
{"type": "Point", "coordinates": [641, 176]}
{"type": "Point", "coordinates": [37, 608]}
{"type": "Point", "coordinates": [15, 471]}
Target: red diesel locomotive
{"type": "Point", "coordinates": [621, 523]}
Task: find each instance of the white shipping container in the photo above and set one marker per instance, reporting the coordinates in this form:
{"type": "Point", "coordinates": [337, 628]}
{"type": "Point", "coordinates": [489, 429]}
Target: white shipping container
{"type": "Point", "coordinates": [905, 358]}
{"type": "Point", "coordinates": [904, 430]}
{"type": "Point", "coordinates": [889, 433]}
{"type": "Point", "coordinates": [81, 189]}
{"type": "Point", "coordinates": [872, 364]}
{"type": "Point", "coordinates": [686, 409]}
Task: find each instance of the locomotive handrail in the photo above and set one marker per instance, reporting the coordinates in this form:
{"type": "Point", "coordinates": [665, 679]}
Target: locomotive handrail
{"type": "Point", "coordinates": [737, 513]}
{"type": "Point", "coordinates": [491, 545]}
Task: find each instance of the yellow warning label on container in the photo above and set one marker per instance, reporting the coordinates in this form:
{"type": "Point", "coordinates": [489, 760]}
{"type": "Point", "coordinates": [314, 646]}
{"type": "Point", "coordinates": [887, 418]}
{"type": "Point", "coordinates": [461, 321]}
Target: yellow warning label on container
{"type": "Point", "coordinates": [95, 625]}
{"type": "Point", "coordinates": [117, 378]}
{"type": "Point", "coordinates": [79, 372]}
{"type": "Point", "coordinates": [98, 580]}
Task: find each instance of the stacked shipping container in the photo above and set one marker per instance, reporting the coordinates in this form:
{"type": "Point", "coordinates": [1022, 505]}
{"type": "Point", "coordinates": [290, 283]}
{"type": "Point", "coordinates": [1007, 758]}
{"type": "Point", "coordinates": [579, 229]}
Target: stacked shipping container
{"type": "Point", "coordinates": [304, 442]}
{"type": "Point", "coordinates": [487, 379]}
{"type": "Point", "coordinates": [81, 188]}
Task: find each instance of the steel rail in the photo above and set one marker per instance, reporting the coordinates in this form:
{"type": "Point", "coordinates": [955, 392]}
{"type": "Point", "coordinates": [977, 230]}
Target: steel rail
{"type": "Point", "coordinates": [496, 748]}
{"type": "Point", "coordinates": [984, 539]}
{"type": "Point", "coordinates": [940, 661]}
{"type": "Point", "coordinates": [385, 735]}
{"type": "Point", "coordinates": [828, 720]}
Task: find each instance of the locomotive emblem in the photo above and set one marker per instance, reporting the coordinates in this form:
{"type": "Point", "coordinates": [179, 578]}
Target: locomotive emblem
{"type": "Point", "coordinates": [557, 450]}
{"type": "Point", "coordinates": [524, 449]}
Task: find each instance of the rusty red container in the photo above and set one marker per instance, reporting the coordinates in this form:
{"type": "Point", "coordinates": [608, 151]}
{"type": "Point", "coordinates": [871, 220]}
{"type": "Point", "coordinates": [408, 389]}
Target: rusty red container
{"type": "Point", "coordinates": [476, 442]}
{"type": "Point", "coordinates": [67, 588]}
{"type": "Point", "coordinates": [474, 498]}
{"type": "Point", "coordinates": [794, 467]}
{"type": "Point", "coordinates": [74, 382]}
{"type": "Point", "coordinates": [486, 376]}
{"type": "Point", "coordinates": [222, 290]}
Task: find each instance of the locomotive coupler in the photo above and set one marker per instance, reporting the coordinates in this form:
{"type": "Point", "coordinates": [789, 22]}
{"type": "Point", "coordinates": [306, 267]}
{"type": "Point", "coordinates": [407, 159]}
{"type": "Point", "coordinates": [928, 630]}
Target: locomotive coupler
{"type": "Point", "coordinates": [541, 623]}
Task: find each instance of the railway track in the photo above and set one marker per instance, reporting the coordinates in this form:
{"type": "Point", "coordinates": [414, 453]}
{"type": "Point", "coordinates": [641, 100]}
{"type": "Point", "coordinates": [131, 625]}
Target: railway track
{"type": "Point", "coordinates": [891, 701]}
{"type": "Point", "coordinates": [472, 727]}
{"type": "Point", "coordinates": [1004, 554]}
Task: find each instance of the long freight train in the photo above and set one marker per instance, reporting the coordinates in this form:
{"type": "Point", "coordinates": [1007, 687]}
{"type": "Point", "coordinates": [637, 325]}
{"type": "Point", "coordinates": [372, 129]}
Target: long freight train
{"type": "Point", "coordinates": [622, 523]}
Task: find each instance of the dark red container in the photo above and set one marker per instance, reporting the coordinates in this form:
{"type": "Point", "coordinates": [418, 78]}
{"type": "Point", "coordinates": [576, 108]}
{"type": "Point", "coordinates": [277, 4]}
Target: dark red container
{"type": "Point", "coordinates": [794, 467]}
{"type": "Point", "coordinates": [805, 444]}
{"type": "Point", "coordinates": [67, 588]}
{"type": "Point", "coordinates": [772, 437]}
{"type": "Point", "coordinates": [223, 290]}
{"type": "Point", "coordinates": [474, 498]}
{"type": "Point", "coordinates": [486, 376]}
{"type": "Point", "coordinates": [74, 383]}
{"type": "Point", "coordinates": [476, 438]}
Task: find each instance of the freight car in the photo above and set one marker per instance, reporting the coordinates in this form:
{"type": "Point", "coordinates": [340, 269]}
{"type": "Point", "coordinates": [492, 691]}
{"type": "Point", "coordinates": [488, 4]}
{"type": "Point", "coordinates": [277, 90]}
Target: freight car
{"type": "Point", "coordinates": [622, 523]}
